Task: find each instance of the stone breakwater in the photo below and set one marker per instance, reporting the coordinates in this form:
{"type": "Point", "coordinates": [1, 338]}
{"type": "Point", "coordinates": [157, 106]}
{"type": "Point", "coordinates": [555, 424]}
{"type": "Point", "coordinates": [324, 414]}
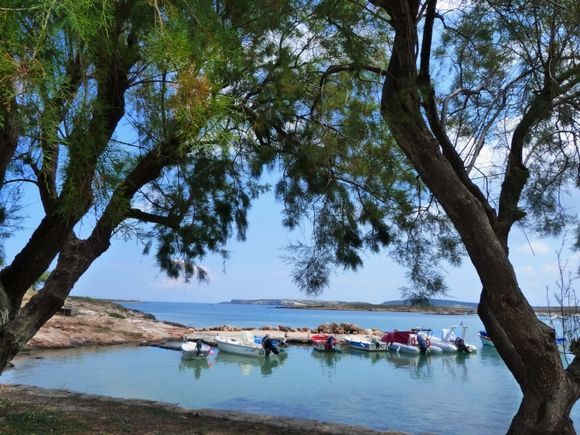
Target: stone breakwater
{"type": "Point", "coordinates": [102, 323]}
{"type": "Point", "coordinates": [291, 335]}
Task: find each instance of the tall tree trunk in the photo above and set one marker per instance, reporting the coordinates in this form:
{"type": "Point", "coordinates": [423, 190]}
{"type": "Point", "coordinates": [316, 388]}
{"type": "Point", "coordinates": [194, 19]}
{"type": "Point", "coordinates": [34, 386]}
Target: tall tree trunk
{"type": "Point", "coordinates": [526, 344]}
{"type": "Point", "coordinates": [74, 259]}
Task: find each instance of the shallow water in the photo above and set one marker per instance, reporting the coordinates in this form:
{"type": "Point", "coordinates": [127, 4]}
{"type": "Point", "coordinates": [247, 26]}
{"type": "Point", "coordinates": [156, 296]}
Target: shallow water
{"type": "Point", "coordinates": [447, 394]}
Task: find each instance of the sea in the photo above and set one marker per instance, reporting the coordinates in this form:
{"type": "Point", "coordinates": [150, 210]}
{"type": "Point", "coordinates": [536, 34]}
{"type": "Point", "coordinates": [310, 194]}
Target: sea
{"type": "Point", "coordinates": [442, 394]}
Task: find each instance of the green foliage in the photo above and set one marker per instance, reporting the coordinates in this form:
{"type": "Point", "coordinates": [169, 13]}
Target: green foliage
{"type": "Point", "coordinates": [155, 120]}
{"type": "Point", "coordinates": [504, 55]}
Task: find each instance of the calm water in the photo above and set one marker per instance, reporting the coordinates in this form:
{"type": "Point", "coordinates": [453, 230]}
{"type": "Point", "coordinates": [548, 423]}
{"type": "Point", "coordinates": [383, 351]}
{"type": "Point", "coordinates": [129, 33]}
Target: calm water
{"type": "Point", "coordinates": [202, 315]}
{"type": "Point", "coordinates": [445, 394]}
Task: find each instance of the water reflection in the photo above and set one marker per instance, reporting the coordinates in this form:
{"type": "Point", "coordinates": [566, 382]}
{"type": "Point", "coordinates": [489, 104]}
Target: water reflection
{"type": "Point", "coordinates": [489, 356]}
{"type": "Point", "coordinates": [374, 357]}
{"type": "Point", "coordinates": [327, 359]}
{"type": "Point", "coordinates": [418, 366]}
{"type": "Point", "coordinates": [247, 364]}
{"type": "Point", "coordinates": [197, 365]}
{"type": "Point", "coordinates": [454, 365]}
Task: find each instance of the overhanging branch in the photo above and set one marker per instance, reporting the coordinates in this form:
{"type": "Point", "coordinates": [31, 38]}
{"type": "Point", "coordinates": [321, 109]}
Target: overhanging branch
{"type": "Point", "coordinates": [167, 221]}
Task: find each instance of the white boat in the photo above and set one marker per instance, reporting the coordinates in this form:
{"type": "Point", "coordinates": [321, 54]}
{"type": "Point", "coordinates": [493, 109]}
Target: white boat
{"type": "Point", "coordinates": [195, 350]}
{"type": "Point", "coordinates": [451, 343]}
{"type": "Point", "coordinates": [243, 345]}
{"type": "Point", "coordinates": [367, 344]}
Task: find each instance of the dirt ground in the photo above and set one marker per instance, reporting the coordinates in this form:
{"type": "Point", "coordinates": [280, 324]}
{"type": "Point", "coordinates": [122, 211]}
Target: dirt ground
{"type": "Point", "coordinates": [26, 410]}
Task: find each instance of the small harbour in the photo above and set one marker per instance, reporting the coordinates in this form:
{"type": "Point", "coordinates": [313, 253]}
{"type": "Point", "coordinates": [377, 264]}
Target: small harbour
{"type": "Point", "coordinates": [446, 394]}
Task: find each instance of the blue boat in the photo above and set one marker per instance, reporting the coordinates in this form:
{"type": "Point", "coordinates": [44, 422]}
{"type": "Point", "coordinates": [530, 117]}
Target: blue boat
{"type": "Point", "coordinates": [367, 344]}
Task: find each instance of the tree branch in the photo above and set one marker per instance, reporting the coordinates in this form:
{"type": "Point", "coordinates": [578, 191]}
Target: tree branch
{"type": "Point", "coordinates": [437, 128]}
{"type": "Point", "coordinates": [168, 221]}
{"type": "Point", "coordinates": [342, 68]}
{"type": "Point", "coordinates": [50, 156]}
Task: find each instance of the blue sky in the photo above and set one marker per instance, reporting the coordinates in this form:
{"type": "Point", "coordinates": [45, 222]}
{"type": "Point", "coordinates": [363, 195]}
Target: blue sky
{"type": "Point", "coordinates": [256, 270]}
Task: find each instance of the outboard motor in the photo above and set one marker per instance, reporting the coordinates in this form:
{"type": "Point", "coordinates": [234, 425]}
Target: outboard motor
{"type": "Point", "coordinates": [460, 344]}
{"type": "Point", "coordinates": [422, 343]}
{"type": "Point", "coordinates": [270, 345]}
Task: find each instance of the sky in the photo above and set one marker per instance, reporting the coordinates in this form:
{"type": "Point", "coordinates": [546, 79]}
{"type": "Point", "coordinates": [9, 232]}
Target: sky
{"type": "Point", "coordinates": [255, 268]}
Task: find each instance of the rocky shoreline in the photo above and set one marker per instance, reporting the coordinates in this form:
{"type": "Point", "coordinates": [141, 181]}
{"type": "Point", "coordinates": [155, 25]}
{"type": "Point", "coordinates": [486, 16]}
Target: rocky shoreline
{"type": "Point", "coordinates": [93, 322]}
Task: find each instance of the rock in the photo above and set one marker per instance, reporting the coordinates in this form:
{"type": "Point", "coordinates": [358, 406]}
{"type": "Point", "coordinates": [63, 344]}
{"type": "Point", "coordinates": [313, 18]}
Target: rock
{"type": "Point", "coordinates": [102, 323]}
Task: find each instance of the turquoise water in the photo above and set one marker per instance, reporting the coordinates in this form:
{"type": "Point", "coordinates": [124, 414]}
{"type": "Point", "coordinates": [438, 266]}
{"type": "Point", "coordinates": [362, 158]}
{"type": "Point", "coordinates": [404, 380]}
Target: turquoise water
{"type": "Point", "coordinates": [203, 315]}
{"type": "Point", "coordinates": [446, 394]}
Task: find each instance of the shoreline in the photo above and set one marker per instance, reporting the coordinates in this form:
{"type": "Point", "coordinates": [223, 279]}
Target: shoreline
{"type": "Point", "coordinates": [39, 410]}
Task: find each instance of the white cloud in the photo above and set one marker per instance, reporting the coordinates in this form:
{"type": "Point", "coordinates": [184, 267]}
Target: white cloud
{"type": "Point", "coordinates": [534, 247]}
{"type": "Point", "coordinates": [550, 269]}
{"type": "Point", "coordinates": [171, 283]}
{"type": "Point", "coordinates": [446, 5]}
{"type": "Point", "coordinates": [526, 270]}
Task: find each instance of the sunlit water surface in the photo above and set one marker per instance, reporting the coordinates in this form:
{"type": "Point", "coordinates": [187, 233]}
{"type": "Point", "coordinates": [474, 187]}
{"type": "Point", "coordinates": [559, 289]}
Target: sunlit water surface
{"type": "Point", "coordinates": [447, 394]}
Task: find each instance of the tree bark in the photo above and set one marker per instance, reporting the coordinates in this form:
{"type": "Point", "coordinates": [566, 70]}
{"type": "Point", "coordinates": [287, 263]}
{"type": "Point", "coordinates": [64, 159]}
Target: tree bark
{"type": "Point", "coordinates": [76, 256]}
{"type": "Point", "coordinates": [526, 344]}
{"type": "Point", "coordinates": [8, 136]}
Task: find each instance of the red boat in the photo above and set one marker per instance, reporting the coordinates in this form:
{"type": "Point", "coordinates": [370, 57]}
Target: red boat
{"type": "Point", "coordinates": [324, 343]}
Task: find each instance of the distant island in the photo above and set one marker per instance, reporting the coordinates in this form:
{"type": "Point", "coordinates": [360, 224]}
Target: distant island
{"type": "Point", "coordinates": [436, 306]}
{"type": "Point", "coordinates": [440, 306]}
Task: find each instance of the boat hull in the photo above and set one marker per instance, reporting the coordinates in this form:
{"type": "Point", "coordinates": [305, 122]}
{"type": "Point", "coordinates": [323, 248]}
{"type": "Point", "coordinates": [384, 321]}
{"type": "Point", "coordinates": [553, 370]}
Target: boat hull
{"type": "Point", "coordinates": [189, 350]}
{"type": "Point", "coordinates": [367, 345]}
{"type": "Point", "coordinates": [321, 343]}
{"type": "Point", "coordinates": [485, 340]}
{"type": "Point", "coordinates": [238, 347]}
{"type": "Point", "coordinates": [404, 348]}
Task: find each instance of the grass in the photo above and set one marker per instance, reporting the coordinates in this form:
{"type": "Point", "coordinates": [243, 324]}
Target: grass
{"type": "Point", "coordinates": [39, 421]}
{"type": "Point", "coordinates": [116, 315]}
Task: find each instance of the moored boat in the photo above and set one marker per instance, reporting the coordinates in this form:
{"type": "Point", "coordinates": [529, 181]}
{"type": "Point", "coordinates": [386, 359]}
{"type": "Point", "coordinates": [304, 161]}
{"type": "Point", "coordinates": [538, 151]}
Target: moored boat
{"type": "Point", "coordinates": [367, 344]}
{"type": "Point", "coordinates": [412, 342]}
{"type": "Point", "coordinates": [485, 339]}
{"type": "Point", "coordinates": [451, 343]}
{"type": "Point", "coordinates": [195, 350]}
{"type": "Point", "coordinates": [324, 343]}
{"type": "Point", "coordinates": [243, 345]}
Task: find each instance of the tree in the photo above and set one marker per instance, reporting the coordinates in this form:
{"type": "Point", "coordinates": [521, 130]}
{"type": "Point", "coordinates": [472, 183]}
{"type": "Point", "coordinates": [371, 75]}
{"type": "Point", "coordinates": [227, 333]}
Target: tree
{"type": "Point", "coordinates": [509, 77]}
{"type": "Point", "coordinates": [146, 119]}
{"type": "Point", "coordinates": [546, 77]}
{"type": "Point", "coordinates": [108, 109]}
